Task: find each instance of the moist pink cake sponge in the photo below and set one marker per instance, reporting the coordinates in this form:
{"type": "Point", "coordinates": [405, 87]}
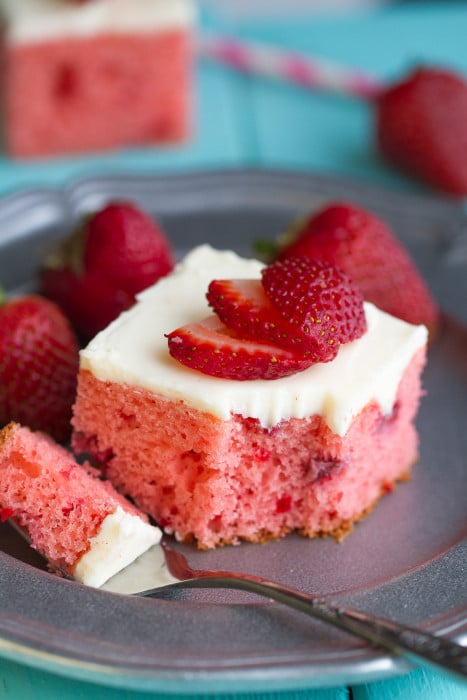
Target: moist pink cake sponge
{"type": "Point", "coordinates": [58, 503]}
{"type": "Point", "coordinates": [221, 481]}
{"type": "Point", "coordinates": [218, 461]}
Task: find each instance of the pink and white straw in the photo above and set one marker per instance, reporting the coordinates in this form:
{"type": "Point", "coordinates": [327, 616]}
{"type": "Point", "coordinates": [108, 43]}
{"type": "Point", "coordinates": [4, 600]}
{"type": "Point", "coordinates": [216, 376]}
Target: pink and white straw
{"type": "Point", "coordinates": [309, 72]}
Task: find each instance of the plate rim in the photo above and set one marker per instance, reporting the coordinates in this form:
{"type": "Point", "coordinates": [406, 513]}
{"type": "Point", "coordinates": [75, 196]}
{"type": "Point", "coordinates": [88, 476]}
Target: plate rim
{"type": "Point", "coordinates": [382, 665]}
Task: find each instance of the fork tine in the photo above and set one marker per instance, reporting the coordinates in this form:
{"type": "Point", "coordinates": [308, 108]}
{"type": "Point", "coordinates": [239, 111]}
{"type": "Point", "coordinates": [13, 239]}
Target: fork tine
{"type": "Point", "coordinates": [177, 564]}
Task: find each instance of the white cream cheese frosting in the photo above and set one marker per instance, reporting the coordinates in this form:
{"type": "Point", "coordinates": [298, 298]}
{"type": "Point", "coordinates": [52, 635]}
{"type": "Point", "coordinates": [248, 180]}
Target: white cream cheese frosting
{"type": "Point", "coordinates": [39, 20]}
{"type": "Point", "coordinates": [133, 350]}
{"type": "Point", "coordinates": [121, 539]}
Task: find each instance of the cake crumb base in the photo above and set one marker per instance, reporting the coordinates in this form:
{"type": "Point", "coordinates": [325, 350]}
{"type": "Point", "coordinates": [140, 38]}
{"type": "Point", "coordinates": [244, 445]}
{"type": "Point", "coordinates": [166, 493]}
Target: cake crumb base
{"type": "Point", "coordinates": [338, 533]}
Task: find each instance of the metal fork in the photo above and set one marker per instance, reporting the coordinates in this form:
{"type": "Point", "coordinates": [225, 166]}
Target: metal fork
{"type": "Point", "coordinates": [418, 647]}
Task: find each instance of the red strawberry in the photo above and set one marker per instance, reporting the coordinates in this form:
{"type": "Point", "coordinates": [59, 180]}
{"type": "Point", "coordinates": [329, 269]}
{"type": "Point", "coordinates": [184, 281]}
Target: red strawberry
{"type": "Point", "coordinates": [421, 127]}
{"type": "Point", "coordinates": [299, 304]}
{"type": "Point", "coordinates": [89, 299]}
{"type": "Point", "coordinates": [5, 514]}
{"type": "Point", "coordinates": [124, 244]}
{"type": "Point", "coordinates": [243, 306]}
{"type": "Point", "coordinates": [38, 365]}
{"type": "Point", "coordinates": [208, 347]}
{"type": "Point", "coordinates": [319, 300]}
{"type": "Point", "coordinates": [100, 268]}
{"type": "Point", "coordinates": [363, 246]}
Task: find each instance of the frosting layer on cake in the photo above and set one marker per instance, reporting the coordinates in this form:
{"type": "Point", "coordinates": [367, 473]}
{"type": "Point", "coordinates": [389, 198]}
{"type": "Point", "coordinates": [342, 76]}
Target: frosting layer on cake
{"type": "Point", "coordinates": [121, 539]}
{"type": "Point", "coordinates": [40, 20]}
{"type": "Point", "coordinates": [133, 350]}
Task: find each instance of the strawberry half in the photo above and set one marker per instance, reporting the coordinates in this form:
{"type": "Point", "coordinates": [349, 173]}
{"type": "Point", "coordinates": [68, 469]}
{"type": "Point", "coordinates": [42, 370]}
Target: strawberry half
{"type": "Point", "coordinates": [208, 347]}
{"type": "Point", "coordinates": [319, 300]}
{"type": "Point", "coordinates": [364, 247]}
{"type": "Point", "coordinates": [98, 270]}
{"type": "Point", "coordinates": [242, 305]}
{"type": "Point", "coordinates": [38, 366]}
{"type": "Point", "coordinates": [421, 127]}
{"type": "Point", "coordinates": [298, 304]}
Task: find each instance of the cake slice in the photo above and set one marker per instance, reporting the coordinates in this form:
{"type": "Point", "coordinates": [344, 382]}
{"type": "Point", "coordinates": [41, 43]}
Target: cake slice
{"type": "Point", "coordinates": [217, 460]}
{"type": "Point", "coordinates": [78, 522]}
{"type": "Point", "coordinates": [88, 76]}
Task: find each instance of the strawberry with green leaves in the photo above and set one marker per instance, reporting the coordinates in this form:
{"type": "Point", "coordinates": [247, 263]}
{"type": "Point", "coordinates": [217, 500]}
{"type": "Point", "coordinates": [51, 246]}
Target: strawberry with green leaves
{"type": "Point", "coordinates": [364, 247]}
{"type": "Point", "coordinates": [38, 365]}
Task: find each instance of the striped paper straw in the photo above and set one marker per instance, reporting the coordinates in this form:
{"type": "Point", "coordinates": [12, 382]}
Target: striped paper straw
{"type": "Point", "coordinates": [309, 72]}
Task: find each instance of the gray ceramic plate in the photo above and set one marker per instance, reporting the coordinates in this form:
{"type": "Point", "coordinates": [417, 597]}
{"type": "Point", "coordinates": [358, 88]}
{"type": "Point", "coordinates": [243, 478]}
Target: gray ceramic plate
{"type": "Point", "coordinates": [405, 561]}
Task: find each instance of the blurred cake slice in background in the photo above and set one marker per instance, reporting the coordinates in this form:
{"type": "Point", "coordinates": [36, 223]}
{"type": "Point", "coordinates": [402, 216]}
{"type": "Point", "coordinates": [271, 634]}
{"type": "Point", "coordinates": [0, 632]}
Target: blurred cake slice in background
{"type": "Point", "coordinates": [97, 75]}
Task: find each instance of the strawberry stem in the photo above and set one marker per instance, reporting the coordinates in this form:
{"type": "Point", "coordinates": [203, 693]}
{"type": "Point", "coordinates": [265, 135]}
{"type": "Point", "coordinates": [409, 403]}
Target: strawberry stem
{"type": "Point", "coordinates": [265, 250]}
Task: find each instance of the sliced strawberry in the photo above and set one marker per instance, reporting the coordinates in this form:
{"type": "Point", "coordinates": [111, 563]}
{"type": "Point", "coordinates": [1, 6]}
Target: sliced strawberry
{"type": "Point", "coordinates": [242, 305]}
{"type": "Point", "coordinates": [208, 347]}
{"type": "Point", "coordinates": [421, 127]}
{"type": "Point", "coordinates": [319, 300]}
{"type": "Point", "coordinates": [364, 247]}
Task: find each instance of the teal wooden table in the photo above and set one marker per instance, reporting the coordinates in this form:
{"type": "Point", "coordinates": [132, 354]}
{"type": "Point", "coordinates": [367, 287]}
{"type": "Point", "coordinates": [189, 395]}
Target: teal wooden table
{"type": "Point", "coordinates": [240, 122]}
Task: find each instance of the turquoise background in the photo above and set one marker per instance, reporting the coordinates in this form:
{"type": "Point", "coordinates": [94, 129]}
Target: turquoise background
{"type": "Point", "coordinates": [241, 122]}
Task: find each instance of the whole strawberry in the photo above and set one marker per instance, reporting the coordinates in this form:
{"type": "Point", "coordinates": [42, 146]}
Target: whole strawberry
{"type": "Point", "coordinates": [97, 272]}
{"type": "Point", "coordinates": [38, 365]}
{"type": "Point", "coordinates": [364, 247]}
{"type": "Point", "coordinates": [421, 127]}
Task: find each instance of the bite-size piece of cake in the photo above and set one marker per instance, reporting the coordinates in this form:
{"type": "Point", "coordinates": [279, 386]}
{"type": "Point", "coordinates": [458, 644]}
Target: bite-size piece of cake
{"type": "Point", "coordinates": [89, 76]}
{"type": "Point", "coordinates": [77, 521]}
{"type": "Point", "coordinates": [218, 460]}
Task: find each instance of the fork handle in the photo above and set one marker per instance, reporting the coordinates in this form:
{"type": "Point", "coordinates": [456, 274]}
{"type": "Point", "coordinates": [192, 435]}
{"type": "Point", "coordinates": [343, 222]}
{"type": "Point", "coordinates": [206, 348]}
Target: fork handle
{"type": "Point", "coordinates": [419, 647]}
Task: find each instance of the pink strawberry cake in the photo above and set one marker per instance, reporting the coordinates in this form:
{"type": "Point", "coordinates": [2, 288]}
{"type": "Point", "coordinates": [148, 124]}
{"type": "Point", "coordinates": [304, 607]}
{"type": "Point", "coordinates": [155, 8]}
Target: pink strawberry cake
{"type": "Point", "coordinates": [82, 76]}
{"type": "Point", "coordinates": [216, 460]}
{"type": "Point", "coordinates": [80, 524]}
